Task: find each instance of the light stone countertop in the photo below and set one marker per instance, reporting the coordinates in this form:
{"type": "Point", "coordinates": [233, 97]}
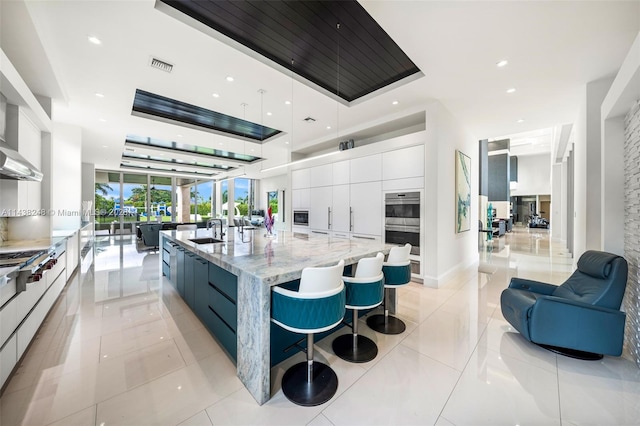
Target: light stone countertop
{"type": "Point", "coordinates": [275, 260]}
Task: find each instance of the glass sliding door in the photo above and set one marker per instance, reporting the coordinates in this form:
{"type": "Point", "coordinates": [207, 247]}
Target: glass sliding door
{"type": "Point", "coordinates": [160, 206]}
{"type": "Point", "coordinates": [106, 196]}
{"type": "Point", "coordinates": [135, 194]}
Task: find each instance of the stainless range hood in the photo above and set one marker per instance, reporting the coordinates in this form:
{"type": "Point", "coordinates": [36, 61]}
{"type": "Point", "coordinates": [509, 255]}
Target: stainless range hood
{"type": "Point", "coordinates": [15, 166]}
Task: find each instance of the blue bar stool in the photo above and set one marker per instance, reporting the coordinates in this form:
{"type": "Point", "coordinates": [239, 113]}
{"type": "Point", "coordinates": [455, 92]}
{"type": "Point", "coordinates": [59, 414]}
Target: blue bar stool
{"type": "Point", "coordinates": [317, 306]}
{"type": "Point", "coordinates": [364, 291]}
{"type": "Point", "coordinates": [397, 273]}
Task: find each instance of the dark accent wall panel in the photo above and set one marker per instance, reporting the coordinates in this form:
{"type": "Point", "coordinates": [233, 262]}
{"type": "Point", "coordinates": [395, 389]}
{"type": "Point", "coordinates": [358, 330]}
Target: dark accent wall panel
{"type": "Point", "coordinates": [499, 145]}
{"type": "Point", "coordinates": [484, 167]}
{"type": "Point", "coordinates": [499, 177]}
{"type": "Point", "coordinates": [513, 169]}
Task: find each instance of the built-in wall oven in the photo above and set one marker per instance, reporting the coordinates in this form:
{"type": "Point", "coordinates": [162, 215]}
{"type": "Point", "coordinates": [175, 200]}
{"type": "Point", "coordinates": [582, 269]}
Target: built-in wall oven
{"type": "Point", "coordinates": [301, 217]}
{"type": "Point", "coordinates": [402, 221]}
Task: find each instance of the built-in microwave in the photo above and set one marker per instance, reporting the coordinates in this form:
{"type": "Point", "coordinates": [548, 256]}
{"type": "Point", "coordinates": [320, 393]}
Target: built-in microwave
{"type": "Point", "coordinates": [301, 217]}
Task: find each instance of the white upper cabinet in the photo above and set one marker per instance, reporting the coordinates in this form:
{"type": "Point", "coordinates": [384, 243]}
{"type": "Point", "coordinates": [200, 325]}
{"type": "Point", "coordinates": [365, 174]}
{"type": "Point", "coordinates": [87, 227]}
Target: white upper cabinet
{"type": "Point", "coordinates": [300, 179]}
{"type": "Point", "coordinates": [403, 163]}
{"type": "Point", "coordinates": [321, 176]}
{"type": "Point", "coordinates": [366, 169]}
{"type": "Point", "coordinates": [341, 172]}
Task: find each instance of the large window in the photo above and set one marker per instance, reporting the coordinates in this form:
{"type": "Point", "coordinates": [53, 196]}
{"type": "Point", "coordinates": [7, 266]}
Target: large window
{"type": "Point", "coordinates": [123, 200]}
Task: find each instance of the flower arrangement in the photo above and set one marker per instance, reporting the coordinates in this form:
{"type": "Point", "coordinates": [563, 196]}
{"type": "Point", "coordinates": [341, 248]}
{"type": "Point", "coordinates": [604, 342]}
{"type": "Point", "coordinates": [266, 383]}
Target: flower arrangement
{"type": "Point", "coordinates": [269, 221]}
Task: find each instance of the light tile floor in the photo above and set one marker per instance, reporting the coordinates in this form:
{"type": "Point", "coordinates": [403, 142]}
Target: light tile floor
{"type": "Point", "coordinates": [121, 347]}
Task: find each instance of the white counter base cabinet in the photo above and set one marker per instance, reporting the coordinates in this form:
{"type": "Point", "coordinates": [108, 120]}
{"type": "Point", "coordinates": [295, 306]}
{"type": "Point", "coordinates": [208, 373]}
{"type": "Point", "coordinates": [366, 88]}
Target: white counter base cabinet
{"type": "Point", "coordinates": [22, 316]}
{"type": "Point", "coordinates": [7, 359]}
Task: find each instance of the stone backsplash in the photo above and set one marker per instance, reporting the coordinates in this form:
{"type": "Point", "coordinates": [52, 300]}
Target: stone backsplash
{"type": "Point", "coordinates": [4, 229]}
{"type": "Point", "coordinates": [632, 230]}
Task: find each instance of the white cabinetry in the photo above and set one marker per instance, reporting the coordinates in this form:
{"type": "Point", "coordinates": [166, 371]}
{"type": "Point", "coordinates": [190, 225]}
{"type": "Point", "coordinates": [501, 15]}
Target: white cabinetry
{"type": "Point", "coordinates": [366, 169]}
{"type": "Point", "coordinates": [320, 204]}
{"type": "Point", "coordinates": [367, 206]}
{"type": "Point", "coordinates": [341, 172]}
{"type": "Point", "coordinates": [403, 163]}
{"type": "Point", "coordinates": [321, 176]}
{"type": "Point", "coordinates": [300, 179]}
{"type": "Point", "coordinates": [341, 220]}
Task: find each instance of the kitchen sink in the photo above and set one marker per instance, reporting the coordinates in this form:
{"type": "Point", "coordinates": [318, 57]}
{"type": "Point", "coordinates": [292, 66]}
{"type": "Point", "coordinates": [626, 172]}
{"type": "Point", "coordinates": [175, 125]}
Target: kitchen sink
{"type": "Point", "coordinates": [206, 240]}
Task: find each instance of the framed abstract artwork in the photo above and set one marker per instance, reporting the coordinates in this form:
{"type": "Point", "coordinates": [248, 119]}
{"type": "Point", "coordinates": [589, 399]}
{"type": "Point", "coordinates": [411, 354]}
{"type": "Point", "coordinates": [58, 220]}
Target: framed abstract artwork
{"type": "Point", "coordinates": [463, 192]}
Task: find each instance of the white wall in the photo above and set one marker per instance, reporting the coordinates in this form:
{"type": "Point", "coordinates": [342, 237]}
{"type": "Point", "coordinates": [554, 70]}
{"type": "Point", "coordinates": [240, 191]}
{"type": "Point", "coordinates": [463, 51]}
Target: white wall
{"type": "Point", "coordinates": [448, 253]}
{"type": "Point", "coordinates": [587, 173]}
{"type": "Point", "coordinates": [66, 179]}
{"type": "Point", "coordinates": [556, 201]}
{"type": "Point", "coordinates": [534, 175]}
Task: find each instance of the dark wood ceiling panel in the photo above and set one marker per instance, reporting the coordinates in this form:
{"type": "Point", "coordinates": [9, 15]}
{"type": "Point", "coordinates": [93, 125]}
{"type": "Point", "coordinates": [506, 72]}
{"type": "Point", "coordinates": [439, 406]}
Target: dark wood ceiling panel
{"type": "Point", "coordinates": [155, 105]}
{"type": "Point", "coordinates": [350, 62]}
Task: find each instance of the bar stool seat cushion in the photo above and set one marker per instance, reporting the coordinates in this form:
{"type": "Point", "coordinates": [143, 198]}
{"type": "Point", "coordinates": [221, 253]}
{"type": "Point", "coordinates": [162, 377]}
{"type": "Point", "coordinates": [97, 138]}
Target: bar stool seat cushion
{"type": "Point", "coordinates": [308, 312]}
{"type": "Point", "coordinates": [396, 274]}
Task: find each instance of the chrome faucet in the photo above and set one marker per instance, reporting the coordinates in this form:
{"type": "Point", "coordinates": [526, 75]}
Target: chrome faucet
{"type": "Point", "coordinates": [211, 224]}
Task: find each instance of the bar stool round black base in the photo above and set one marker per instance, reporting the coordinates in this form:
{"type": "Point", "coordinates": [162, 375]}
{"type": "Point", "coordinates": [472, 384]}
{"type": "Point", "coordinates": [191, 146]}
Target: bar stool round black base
{"type": "Point", "coordinates": [297, 390]}
{"type": "Point", "coordinates": [572, 353]}
{"type": "Point", "coordinates": [386, 325]}
{"type": "Point", "coordinates": [364, 352]}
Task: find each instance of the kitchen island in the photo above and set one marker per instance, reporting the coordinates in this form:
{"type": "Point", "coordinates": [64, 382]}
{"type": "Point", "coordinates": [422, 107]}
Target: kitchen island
{"type": "Point", "coordinates": [254, 263]}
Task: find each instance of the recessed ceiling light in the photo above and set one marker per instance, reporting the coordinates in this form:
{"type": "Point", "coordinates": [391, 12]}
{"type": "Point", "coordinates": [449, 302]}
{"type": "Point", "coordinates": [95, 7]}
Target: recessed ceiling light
{"type": "Point", "coordinates": [221, 143]}
{"type": "Point", "coordinates": [229, 79]}
{"type": "Point", "coordinates": [103, 120]}
{"type": "Point", "coordinates": [105, 146]}
{"type": "Point", "coordinates": [268, 113]}
{"type": "Point", "coordinates": [287, 102]}
{"type": "Point", "coordinates": [215, 95]}
{"type": "Point", "coordinates": [94, 40]}
{"type": "Point", "coordinates": [511, 90]}
{"type": "Point", "coordinates": [100, 95]}
{"type": "Point", "coordinates": [502, 63]}
{"type": "Point", "coordinates": [328, 127]}
{"type": "Point", "coordinates": [286, 142]}
{"type": "Point", "coordinates": [520, 121]}
{"type": "Point", "coordinates": [179, 136]}
{"type": "Point", "coordinates": [394, 103]}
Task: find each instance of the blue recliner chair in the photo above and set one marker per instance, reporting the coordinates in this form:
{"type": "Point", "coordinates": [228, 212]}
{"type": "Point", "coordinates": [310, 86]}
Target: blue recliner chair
{"type": "Point", "coordinates": [580, 318]}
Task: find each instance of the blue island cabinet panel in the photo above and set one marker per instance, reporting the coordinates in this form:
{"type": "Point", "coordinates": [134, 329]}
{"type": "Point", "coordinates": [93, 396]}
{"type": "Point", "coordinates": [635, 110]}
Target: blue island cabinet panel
{"type": "Point", "coordinates": [222, 318]}
{"type": "Point", "coordinates": [201, 287]}
{"type": "Point", "coordinates": [180, 266]}
{"type": "Point", "coordinates": [189, 277]}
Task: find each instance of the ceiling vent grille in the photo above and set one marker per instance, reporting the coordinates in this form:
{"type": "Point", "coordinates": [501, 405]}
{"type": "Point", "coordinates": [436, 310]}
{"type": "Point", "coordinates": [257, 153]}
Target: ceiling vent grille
{"type": "Point", "coordinates": [161, 65]}
{"type": "Point", "coordinates": [309, 120]}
